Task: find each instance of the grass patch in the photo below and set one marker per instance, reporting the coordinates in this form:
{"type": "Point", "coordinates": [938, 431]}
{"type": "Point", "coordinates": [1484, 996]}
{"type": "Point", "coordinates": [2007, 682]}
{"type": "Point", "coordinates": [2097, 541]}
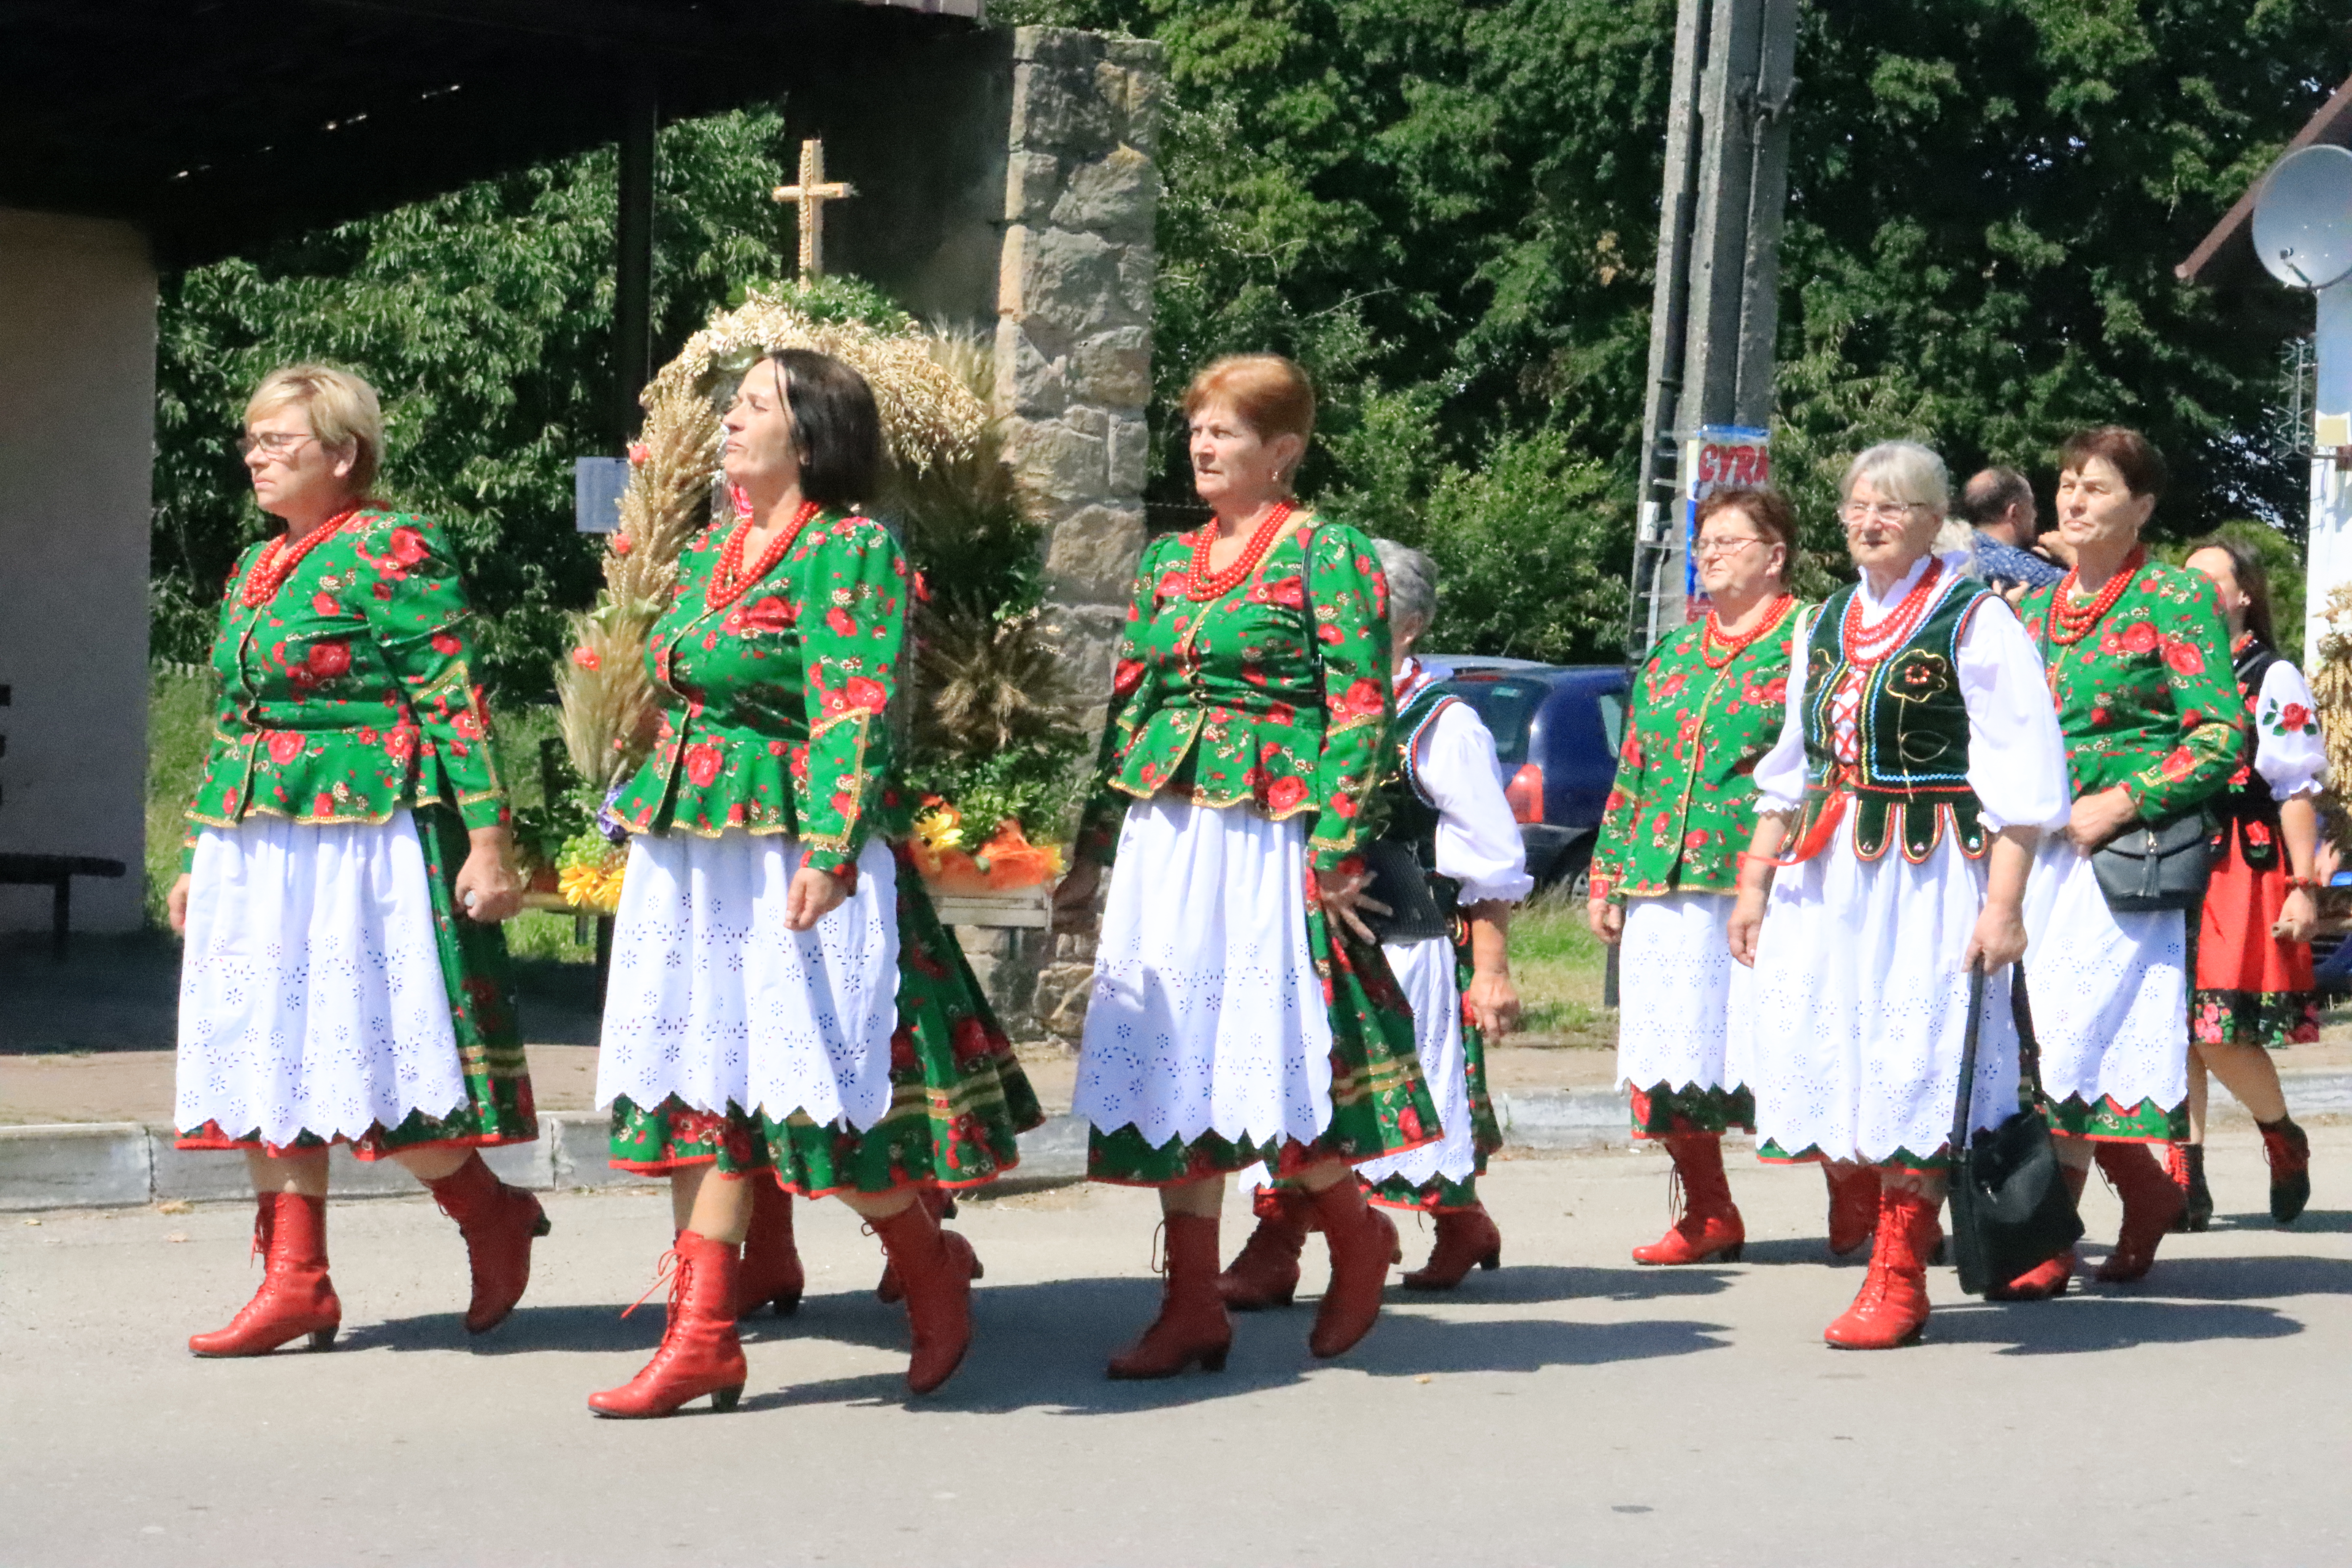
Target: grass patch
{"type": "Point", "coordinates": [1560, 966]}
{"type": "Point", "coordinates": [548, 937]}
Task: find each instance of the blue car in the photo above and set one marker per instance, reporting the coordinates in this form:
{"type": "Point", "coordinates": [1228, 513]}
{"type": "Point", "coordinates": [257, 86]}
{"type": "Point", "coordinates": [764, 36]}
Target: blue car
{"type": "Point", "coordinates": [1557, 730]}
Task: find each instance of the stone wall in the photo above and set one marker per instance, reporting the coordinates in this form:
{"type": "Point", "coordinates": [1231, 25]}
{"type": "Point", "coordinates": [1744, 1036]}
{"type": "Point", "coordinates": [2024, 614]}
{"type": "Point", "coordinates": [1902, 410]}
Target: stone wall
{"type": "Point", "coordinates": [1074, 376]}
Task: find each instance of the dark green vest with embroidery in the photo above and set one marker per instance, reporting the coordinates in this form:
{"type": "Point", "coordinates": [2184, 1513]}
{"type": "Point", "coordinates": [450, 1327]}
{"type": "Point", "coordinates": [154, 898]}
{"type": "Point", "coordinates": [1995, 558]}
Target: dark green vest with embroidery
{"type": "Point", "coordinates": [1911, 773]}
{"type": "Point", "coordinates": [1403, 858]}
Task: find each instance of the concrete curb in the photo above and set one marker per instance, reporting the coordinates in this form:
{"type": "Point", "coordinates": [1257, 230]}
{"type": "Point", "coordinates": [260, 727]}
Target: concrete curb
{"type": "Point", "coordinates": [111, 1164]}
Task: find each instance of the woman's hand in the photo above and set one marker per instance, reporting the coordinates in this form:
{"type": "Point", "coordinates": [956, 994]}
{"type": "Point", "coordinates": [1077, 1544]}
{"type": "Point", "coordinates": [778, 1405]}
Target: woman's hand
{"type": "Point", "coordinates": [1492, 1002]}
{"type": "Point", "coordinates": [1999, 938]}
{"type": "Point", "coordinates": [1343, 895]}
{"type": "Point", "coordinates": [813, 894]}
{"type": "Point", "coordinates": [175, 904]}
{"type": "Point", "coordinates": [487, 890]}
{"type": "Point", "coordinates": [1074, 896]}
{"type": "Point", "coordinates": [1748, 924]}
{"type": "Point", "coordinates": [2298, 915]}
{"type": "Point", "coordinates": [1607, 920]}
{"type": "Point", "coordinates": [2099, 817]}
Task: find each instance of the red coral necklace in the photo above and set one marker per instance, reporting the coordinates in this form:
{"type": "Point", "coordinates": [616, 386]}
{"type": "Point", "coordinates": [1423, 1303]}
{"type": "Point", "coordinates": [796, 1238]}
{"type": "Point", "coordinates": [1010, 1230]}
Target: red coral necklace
{"type": "Point", "coordinates": [2069, 625]}
{"type": "Point", "coordinates": [1201, 585]}
{"type": "Point", "coordinates": [729, 581]}
{"type": "Point", "coordinates": [1712, 635]}
{"type": "Point", "coordinates": [277, 559]}
{"type": "Point", "coordinates": [1864, 649]}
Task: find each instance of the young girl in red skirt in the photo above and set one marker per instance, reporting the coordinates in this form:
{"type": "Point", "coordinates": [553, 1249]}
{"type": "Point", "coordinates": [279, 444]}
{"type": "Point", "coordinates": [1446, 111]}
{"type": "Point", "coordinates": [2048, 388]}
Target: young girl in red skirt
{"type": "Point", "coordinates": [2255, 989]}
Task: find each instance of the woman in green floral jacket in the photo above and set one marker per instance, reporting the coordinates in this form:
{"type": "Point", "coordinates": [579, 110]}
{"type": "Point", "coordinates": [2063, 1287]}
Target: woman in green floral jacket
{"type": "Point", "coordinates": [345, 872]}
{"type": "Point", "coordinates": [784, 1005]}
{"type": "Point", "coordinates": [2139, 669]}
{"type": "Point", "coordinates": [1242, 1012]}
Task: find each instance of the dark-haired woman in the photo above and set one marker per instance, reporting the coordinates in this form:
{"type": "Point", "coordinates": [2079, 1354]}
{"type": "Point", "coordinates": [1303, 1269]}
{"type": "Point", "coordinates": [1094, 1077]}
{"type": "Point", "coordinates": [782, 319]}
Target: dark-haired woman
{"type": "Point", "coordinates": [784, 1007]}
{"type": "Point", "coordinates": [1242, 1012]}
{"type": "Point", "coordinates": [2139, 667]}
{"type": "Point", "coordinates": [2254, 986]}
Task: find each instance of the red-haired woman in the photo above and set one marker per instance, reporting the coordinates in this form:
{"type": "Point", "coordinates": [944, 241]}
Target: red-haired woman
{"type": "Point", "coordinates": [1242, 1012]}
{"type": "Point", "coordinates": [344, 979]}
{"type": "Point", "coordinates": [2254, 991]}
{"type": "Point", "coordinates": [784, 1005]}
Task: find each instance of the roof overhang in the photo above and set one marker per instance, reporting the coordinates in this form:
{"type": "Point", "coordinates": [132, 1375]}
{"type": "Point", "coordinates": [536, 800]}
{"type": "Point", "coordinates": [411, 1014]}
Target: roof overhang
{"type": "Point", "coordinates": [219, 125]}
{"type": "Point", "coordinates": [2227, 253]}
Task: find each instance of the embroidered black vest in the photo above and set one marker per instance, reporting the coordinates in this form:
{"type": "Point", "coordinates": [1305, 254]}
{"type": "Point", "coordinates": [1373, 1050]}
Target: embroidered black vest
{"type": "Point", "coordinates": [1912, 732]}
{"type": "Point", "coordinates": [2247, 804]}
{"type": "Point", "coordinates": [1403, 858]}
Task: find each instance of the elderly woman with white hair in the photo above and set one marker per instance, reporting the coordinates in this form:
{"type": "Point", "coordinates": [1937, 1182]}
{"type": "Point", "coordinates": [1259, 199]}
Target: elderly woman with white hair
{"type": "Point", "coordinates": [1917, 767]}
{"type": "Point", "coordinates": [1447, 868]}
{"type": "Point", "coordinates": [344, 979]}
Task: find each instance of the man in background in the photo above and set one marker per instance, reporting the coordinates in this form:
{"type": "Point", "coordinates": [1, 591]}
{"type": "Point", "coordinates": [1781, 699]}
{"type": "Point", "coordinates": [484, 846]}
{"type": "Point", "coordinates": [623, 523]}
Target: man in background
{"type": "Point", "coordinates": [1999, 504]}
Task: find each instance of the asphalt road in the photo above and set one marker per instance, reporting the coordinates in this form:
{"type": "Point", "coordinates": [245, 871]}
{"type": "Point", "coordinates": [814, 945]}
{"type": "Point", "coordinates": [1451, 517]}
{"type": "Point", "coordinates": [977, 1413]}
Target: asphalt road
{"type": "Point", "coordinates": [1569, 1409]}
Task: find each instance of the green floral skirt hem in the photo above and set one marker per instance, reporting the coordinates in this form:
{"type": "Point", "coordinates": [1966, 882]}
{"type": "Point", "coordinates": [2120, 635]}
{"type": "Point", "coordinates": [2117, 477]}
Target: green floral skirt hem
{"type": "Point", "coordinates": [1663, 1111]}
{"type": "Point", "coordinates": [2271, 1019]}
{"type": "Point", "coordinates": [1435, 1195]}
{"type": "Point", "coordinates": [2107, 1123]}
{"type": "Point", "coordinates": [1900, 1159]}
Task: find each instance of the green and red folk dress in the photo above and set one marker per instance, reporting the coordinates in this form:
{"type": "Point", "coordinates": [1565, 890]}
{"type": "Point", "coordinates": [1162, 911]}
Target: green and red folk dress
{"type": "Point", "coordinates": [1231, 1023]}
{"type": "Point", "coordinates": [1705, 709]}
{"type": "Point", "coordinates": [2254, 988]}
{"type": "Point", "coordinates": [331, 990]}
{"type": "Point", "coordinates": [1449, 838]}
{"type": "Point", "coordinates": [859, 1056]}
{"type": "Point", "coordinates": [2141, 680]}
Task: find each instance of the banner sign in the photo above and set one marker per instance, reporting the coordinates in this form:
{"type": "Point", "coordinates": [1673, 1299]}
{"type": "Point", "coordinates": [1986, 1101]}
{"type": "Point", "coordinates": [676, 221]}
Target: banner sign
{"type": "Point", "coordinates": [1720, 457]}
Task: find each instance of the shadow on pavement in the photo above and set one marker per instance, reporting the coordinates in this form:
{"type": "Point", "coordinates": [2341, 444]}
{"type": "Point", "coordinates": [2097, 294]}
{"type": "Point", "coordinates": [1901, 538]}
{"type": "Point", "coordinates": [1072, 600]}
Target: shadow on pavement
{"type": "Point", "coordinates": [2313, 1222]}
{"type": "Point", "coordinates": [2080, 1324]}
{"type": "Point", "coordinates": [2256, 1278]}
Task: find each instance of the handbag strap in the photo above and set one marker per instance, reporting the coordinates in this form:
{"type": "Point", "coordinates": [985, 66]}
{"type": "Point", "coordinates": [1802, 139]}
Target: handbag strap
{"type": "Point", "coordinates": [1964, 1100]}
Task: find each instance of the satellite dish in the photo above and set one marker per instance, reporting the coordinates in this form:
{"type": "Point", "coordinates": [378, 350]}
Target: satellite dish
{"type": "Point", "coordinates": [2303, 219]}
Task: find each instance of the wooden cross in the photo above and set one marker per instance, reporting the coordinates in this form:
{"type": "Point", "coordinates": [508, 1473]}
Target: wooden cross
{"type": "Point", "coordinates": [811, 195]}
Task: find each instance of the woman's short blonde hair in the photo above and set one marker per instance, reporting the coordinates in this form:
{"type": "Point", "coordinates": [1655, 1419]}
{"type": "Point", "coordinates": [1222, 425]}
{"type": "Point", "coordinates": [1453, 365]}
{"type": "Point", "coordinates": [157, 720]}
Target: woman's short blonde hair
{"type": "Point", "coordinates": [1903, 471]}
{"type": "Point", "coordinates": [342, 408]}
{"type": "Point", "coordinates": [1271, 392]}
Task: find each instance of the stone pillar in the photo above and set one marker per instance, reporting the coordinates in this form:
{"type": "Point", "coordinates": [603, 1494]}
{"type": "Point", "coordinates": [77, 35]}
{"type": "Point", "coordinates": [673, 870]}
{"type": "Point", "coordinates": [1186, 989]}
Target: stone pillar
{"type": "Point", "coordinates": [1074, 356]}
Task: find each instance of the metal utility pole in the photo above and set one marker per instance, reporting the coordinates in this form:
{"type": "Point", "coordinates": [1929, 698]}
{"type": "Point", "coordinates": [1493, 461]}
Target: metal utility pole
{"type": "Point", "coordinates": [1715, 312]}
{"type": "Point", "coordinates": [633, 283]}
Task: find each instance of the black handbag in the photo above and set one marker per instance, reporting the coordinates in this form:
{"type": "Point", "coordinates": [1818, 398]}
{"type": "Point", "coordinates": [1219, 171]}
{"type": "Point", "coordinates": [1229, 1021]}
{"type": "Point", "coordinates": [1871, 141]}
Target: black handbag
{"type": "Point", "coordinates": [2146, 869]}
{"type": "Point", "coordinates": [2011, 1209]}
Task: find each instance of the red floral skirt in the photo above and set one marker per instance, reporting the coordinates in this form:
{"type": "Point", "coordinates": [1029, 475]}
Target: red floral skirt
{"type": "Point", "coordinates": [2249, 985]}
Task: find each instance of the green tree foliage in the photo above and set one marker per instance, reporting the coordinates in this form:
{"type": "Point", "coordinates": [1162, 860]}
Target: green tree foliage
{"type": "Point", "coordinates": [484, 318]}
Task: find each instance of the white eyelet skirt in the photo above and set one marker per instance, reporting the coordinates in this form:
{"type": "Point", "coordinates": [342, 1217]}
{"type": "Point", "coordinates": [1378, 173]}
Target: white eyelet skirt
{"type": "Point", "coordinates": [1207, 1013]}
{"type": "Point", "coordinates": [1425, 970]}
{"type": "Point", "coordinates": [2109, 992]}
{"type": "Point", "coordinates": [1685, 1006]}
{"type": "Point", "coordinates": [713, 1000]}
{"type": "Point", "coordinates": [312, 997]}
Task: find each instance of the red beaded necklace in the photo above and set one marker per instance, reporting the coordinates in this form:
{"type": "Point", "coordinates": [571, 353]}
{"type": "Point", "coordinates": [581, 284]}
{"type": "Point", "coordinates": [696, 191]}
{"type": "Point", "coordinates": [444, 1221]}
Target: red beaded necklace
{"type": "Point", "coordinates": [1202, 587]}
{"type": "Point", "coordinates": [1712, 635]}
{"type": "Point", "coordinates": [2069, 625]}
{"type": "Point", "coordinates": [729, 581]}
{"type": "Point", "coordinates": [277, 559]}
{"type": "Point", "coordinates": [1864, 649]}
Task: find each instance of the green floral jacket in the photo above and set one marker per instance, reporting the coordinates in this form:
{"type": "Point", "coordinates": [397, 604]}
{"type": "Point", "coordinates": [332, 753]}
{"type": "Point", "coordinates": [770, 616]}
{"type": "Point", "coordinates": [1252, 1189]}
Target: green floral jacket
{"type": "Point", "coordinates": [1684, 803]}
{"type": "Point", "coordinates": [1275, 695]}
{"type": "Point", "coordinates": [776, 716]}
{"type": "Point", "coordinates": [2148, 699]}
{"type": "Point", "coordinates": [350, 694]}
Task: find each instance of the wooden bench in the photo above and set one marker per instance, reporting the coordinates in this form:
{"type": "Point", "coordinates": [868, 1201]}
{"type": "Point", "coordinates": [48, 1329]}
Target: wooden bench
{"type": "Point", "coordinates": [58, 871]}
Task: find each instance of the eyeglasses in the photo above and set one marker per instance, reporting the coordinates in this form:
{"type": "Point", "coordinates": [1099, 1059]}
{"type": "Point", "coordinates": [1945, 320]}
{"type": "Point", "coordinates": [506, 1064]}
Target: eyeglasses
{"type": "Point", "coordinates": [1882, 511]}
{"type": "Point", "coordinates": [272, 443]}
{"type": "Point", "coordinates": [1711, 549]}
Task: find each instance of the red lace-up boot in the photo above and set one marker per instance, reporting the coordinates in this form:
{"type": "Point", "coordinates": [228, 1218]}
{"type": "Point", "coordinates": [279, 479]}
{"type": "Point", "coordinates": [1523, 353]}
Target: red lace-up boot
{"type": "Point", "coordinates": [2052, 1279]}
{"type": "Point", "coordinates": [498, 1223]}
{"type": "Point", "coordinates": [2289, 1153]}
{"type": "Point", "coordinates": [2151, 1203]}
{"type": "Point", "coordinates": [1892, 1307]}
{"type": "Point", "coordinates": [942, 1205]}
{"type": "Point", "coordinates": [936, 1268]}
{"type": "Point", "coordinates": [1466, 1239]}
{"type": "Point", "coordinates": [699, 1353]}
{"type": "Point", "coordinates": [1853, 1206]}
{"type": "Point", "coordinates": [1191, 1325]}
{"type": "Point", "coordinates": [1266, 1272]}
{"type": "Point", "coordinates": [296, 1297]}
{"type": "Point", "coordinates": [770, 1274]}
{"type": "Point", "coordinates": [1363, 1249]}
{"type": "Point", "coordinates": [1710, 1225]}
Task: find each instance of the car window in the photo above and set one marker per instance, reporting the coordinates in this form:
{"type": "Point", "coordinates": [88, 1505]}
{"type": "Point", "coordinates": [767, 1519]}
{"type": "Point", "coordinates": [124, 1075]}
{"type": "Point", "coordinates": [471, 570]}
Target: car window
{"type": "Point", "coordinates": [1613, 721]}
{"type": "Point", "coordinates": [1507, 704]}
